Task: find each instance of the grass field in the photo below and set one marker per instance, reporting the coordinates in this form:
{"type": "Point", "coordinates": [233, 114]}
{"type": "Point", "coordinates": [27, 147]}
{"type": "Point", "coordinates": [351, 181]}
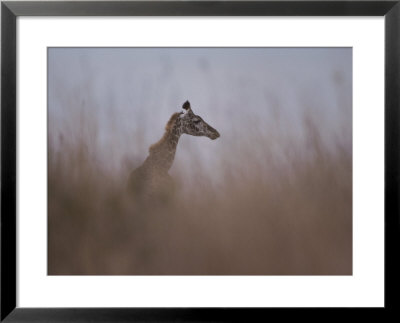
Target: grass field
{"type": "Point", "coordinates": [255, 214]}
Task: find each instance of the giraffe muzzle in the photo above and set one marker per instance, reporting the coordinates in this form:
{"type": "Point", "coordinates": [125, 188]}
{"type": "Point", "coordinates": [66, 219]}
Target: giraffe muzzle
{"type": "Point", "coordinates": [214, 134]}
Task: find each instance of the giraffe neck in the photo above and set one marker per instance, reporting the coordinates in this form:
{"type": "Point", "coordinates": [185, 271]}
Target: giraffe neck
{"type": "Point", "coordinates": [162, 154]}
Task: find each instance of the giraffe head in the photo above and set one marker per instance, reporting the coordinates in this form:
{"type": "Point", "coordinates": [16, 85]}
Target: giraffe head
{"type": "Point", "coordinates": [194, 125]}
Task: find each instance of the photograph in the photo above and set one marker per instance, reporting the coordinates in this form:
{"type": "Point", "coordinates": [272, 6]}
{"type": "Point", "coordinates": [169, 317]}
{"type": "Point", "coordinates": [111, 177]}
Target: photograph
{"type": "Point", "coordinates": [199, 161]}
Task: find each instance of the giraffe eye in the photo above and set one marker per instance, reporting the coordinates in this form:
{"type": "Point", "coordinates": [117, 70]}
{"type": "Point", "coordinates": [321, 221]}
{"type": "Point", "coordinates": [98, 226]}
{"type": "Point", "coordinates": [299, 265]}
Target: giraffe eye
{"type": "Point", "coordinates": [196, 120]}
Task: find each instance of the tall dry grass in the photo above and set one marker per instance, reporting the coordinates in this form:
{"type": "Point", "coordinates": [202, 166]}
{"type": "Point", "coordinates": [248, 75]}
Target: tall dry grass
{"type": "Point", "coordinates": [264, 215]}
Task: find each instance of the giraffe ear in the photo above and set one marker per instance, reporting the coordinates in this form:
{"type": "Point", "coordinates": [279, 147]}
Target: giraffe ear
{"type": "Point", "coordinates": [186, 105]}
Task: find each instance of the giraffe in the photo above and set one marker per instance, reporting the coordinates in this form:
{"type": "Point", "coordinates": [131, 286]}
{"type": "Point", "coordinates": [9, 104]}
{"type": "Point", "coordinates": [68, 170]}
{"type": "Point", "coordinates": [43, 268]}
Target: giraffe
{"type": "Point", "coordinates": [151, 180]}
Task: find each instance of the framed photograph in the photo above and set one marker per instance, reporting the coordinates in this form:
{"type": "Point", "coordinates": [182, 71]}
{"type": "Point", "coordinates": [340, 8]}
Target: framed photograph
{"type": "Point", "coordinates": [197, 161]}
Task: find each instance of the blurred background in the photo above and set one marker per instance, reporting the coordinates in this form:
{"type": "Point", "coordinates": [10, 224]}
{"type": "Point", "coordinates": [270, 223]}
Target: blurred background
{"type": "Point", "coordinates": [271, 196]}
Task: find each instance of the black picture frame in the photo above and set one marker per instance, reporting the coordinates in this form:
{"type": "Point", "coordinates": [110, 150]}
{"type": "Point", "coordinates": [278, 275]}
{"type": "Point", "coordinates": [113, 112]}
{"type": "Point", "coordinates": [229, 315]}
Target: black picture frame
{"type": "Point", "coordinates": [10, 10]}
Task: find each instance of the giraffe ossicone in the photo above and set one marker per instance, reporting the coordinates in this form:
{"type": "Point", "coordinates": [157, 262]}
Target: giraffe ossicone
{"type": "Point", "coordinates": [151, 179]}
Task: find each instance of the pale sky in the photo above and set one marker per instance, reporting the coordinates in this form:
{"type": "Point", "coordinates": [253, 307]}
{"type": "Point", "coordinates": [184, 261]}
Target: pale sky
{"type": "Point", "coordinates": [118, 100]}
